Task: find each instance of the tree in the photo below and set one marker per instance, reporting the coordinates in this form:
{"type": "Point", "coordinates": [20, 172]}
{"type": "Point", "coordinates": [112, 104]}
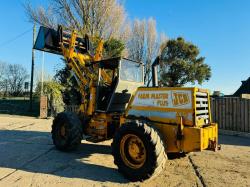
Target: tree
{"type": "Point", "coordinates": [113, 48]}
{"type": "Point", "coordinates": [3, 79]}
{"type": "Point", "coordinates": [52, 90]}
{"type": "Point", "coordinates": [16, 75]}
{"type": "Point", "coordinates": [144, 44]}
{"type": "Point", "coordinates": [181, 63]}
{"type": "Point", "coordinates": [2, 70]}
{"type": "Point", "coordinates": [71, 94]}
{"type": "Point", "coordinates": [12, 78]}
{"type": "Point", "coordinates": [105, 19]}
{"type": "Point", "coordinates": [136, 44]}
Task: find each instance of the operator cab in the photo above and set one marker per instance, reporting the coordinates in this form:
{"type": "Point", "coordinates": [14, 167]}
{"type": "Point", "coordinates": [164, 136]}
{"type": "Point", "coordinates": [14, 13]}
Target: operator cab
{"type": "Point", "coordinates": [126, 75]}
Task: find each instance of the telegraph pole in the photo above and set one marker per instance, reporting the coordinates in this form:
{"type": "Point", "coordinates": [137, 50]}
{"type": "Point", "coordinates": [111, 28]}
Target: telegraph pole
{"type": "Point", "coordinates": [42, 73]}
{"type": "Point", "coordinates": [32, 68]}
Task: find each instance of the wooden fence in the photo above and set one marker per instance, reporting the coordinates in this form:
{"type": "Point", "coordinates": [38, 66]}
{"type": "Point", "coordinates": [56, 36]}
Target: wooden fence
{"type": "Point", "coordinates": [231, 113]}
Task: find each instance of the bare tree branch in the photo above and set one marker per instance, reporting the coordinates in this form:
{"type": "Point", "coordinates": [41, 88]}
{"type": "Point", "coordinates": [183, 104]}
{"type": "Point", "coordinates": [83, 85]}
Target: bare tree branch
{"type": "Point", "coordinates": [98, 18]}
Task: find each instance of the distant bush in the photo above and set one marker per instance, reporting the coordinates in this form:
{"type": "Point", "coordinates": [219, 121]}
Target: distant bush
{"type": "Point", "coordinates": [53, 91]}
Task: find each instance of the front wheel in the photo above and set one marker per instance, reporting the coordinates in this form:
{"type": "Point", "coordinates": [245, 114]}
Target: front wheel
{"type": "Point", "coordinates": [66, 131]}
{"type": "Point", "coordinates": [138, 151]}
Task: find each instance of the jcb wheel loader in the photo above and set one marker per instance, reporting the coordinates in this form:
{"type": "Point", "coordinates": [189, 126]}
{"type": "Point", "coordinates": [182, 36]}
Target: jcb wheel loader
{"type": "Point", "coordinates": [145, 123]}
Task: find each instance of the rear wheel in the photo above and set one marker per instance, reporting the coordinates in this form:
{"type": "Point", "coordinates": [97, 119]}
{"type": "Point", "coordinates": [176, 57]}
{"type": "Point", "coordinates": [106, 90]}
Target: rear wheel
{"type": "Point", "coordinates": [138, 151]}
{"type": "Point", "coordinates": [66, 131]}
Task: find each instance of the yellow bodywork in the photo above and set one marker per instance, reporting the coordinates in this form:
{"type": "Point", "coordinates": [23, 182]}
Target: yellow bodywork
{"type": "Point", "coordinates": [194, 138]}
{"type": "Point", "coordinates": [175, 112]}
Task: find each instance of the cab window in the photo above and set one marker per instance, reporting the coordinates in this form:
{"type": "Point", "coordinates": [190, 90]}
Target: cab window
{"type": "Point", "coordinates": [131, 71]}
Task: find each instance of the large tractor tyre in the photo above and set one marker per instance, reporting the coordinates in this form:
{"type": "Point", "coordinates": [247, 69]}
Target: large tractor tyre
{"type": "Point", "coordinates": [66, 131]}
{"type": "Point", "coordinates": [139, 151]}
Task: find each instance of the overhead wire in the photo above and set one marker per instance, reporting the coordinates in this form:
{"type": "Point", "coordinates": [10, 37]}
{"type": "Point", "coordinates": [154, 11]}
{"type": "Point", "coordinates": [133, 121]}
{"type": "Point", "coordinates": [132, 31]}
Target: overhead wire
{"type": "Point", "coordinates": [15, 38]}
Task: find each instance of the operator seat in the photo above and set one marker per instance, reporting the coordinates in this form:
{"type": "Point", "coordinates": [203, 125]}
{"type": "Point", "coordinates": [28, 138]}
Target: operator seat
{"type": "Point", "coordinates": [104, 95]}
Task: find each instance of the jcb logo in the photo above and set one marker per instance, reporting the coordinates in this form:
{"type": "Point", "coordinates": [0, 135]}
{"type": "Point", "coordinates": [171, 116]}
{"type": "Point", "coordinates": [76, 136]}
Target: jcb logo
{"type": "Point", "coordinates": [180, 98]}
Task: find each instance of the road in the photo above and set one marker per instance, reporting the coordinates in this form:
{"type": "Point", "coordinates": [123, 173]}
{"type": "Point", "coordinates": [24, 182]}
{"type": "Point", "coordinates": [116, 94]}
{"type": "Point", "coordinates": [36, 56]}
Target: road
{"type": "Point", "coordinates": [28, 158]}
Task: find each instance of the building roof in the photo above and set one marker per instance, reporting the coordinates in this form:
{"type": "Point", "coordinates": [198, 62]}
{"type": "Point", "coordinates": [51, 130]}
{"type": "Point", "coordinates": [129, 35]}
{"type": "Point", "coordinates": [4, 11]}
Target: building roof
{"type": "Point", "coordinates": [244, 88]}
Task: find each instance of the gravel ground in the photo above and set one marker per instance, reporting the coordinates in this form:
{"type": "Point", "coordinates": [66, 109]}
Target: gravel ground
{"type": "Point", "coordinates": [28, 158]}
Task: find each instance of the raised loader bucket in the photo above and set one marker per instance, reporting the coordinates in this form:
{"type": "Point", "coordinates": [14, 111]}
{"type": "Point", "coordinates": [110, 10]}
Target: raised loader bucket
{"type": "Point", "coordinates": [48, 40]}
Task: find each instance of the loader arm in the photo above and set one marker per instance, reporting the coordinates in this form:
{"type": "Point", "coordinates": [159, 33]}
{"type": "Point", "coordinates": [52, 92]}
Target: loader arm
{"type": "Point", "coordinates": [75, 51]}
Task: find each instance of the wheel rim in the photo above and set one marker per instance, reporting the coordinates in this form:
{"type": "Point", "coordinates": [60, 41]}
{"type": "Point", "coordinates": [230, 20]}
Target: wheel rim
{"type": "Point", "coordinates": [132, 151]}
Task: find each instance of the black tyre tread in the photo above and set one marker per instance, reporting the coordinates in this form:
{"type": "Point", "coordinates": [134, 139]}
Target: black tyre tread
{"type": "Point", "coordinates": [74, 128]}
{"type": "Point", "coordinates": [160, 151]}
{"type": "Point", "coordinates": [155, 140]}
